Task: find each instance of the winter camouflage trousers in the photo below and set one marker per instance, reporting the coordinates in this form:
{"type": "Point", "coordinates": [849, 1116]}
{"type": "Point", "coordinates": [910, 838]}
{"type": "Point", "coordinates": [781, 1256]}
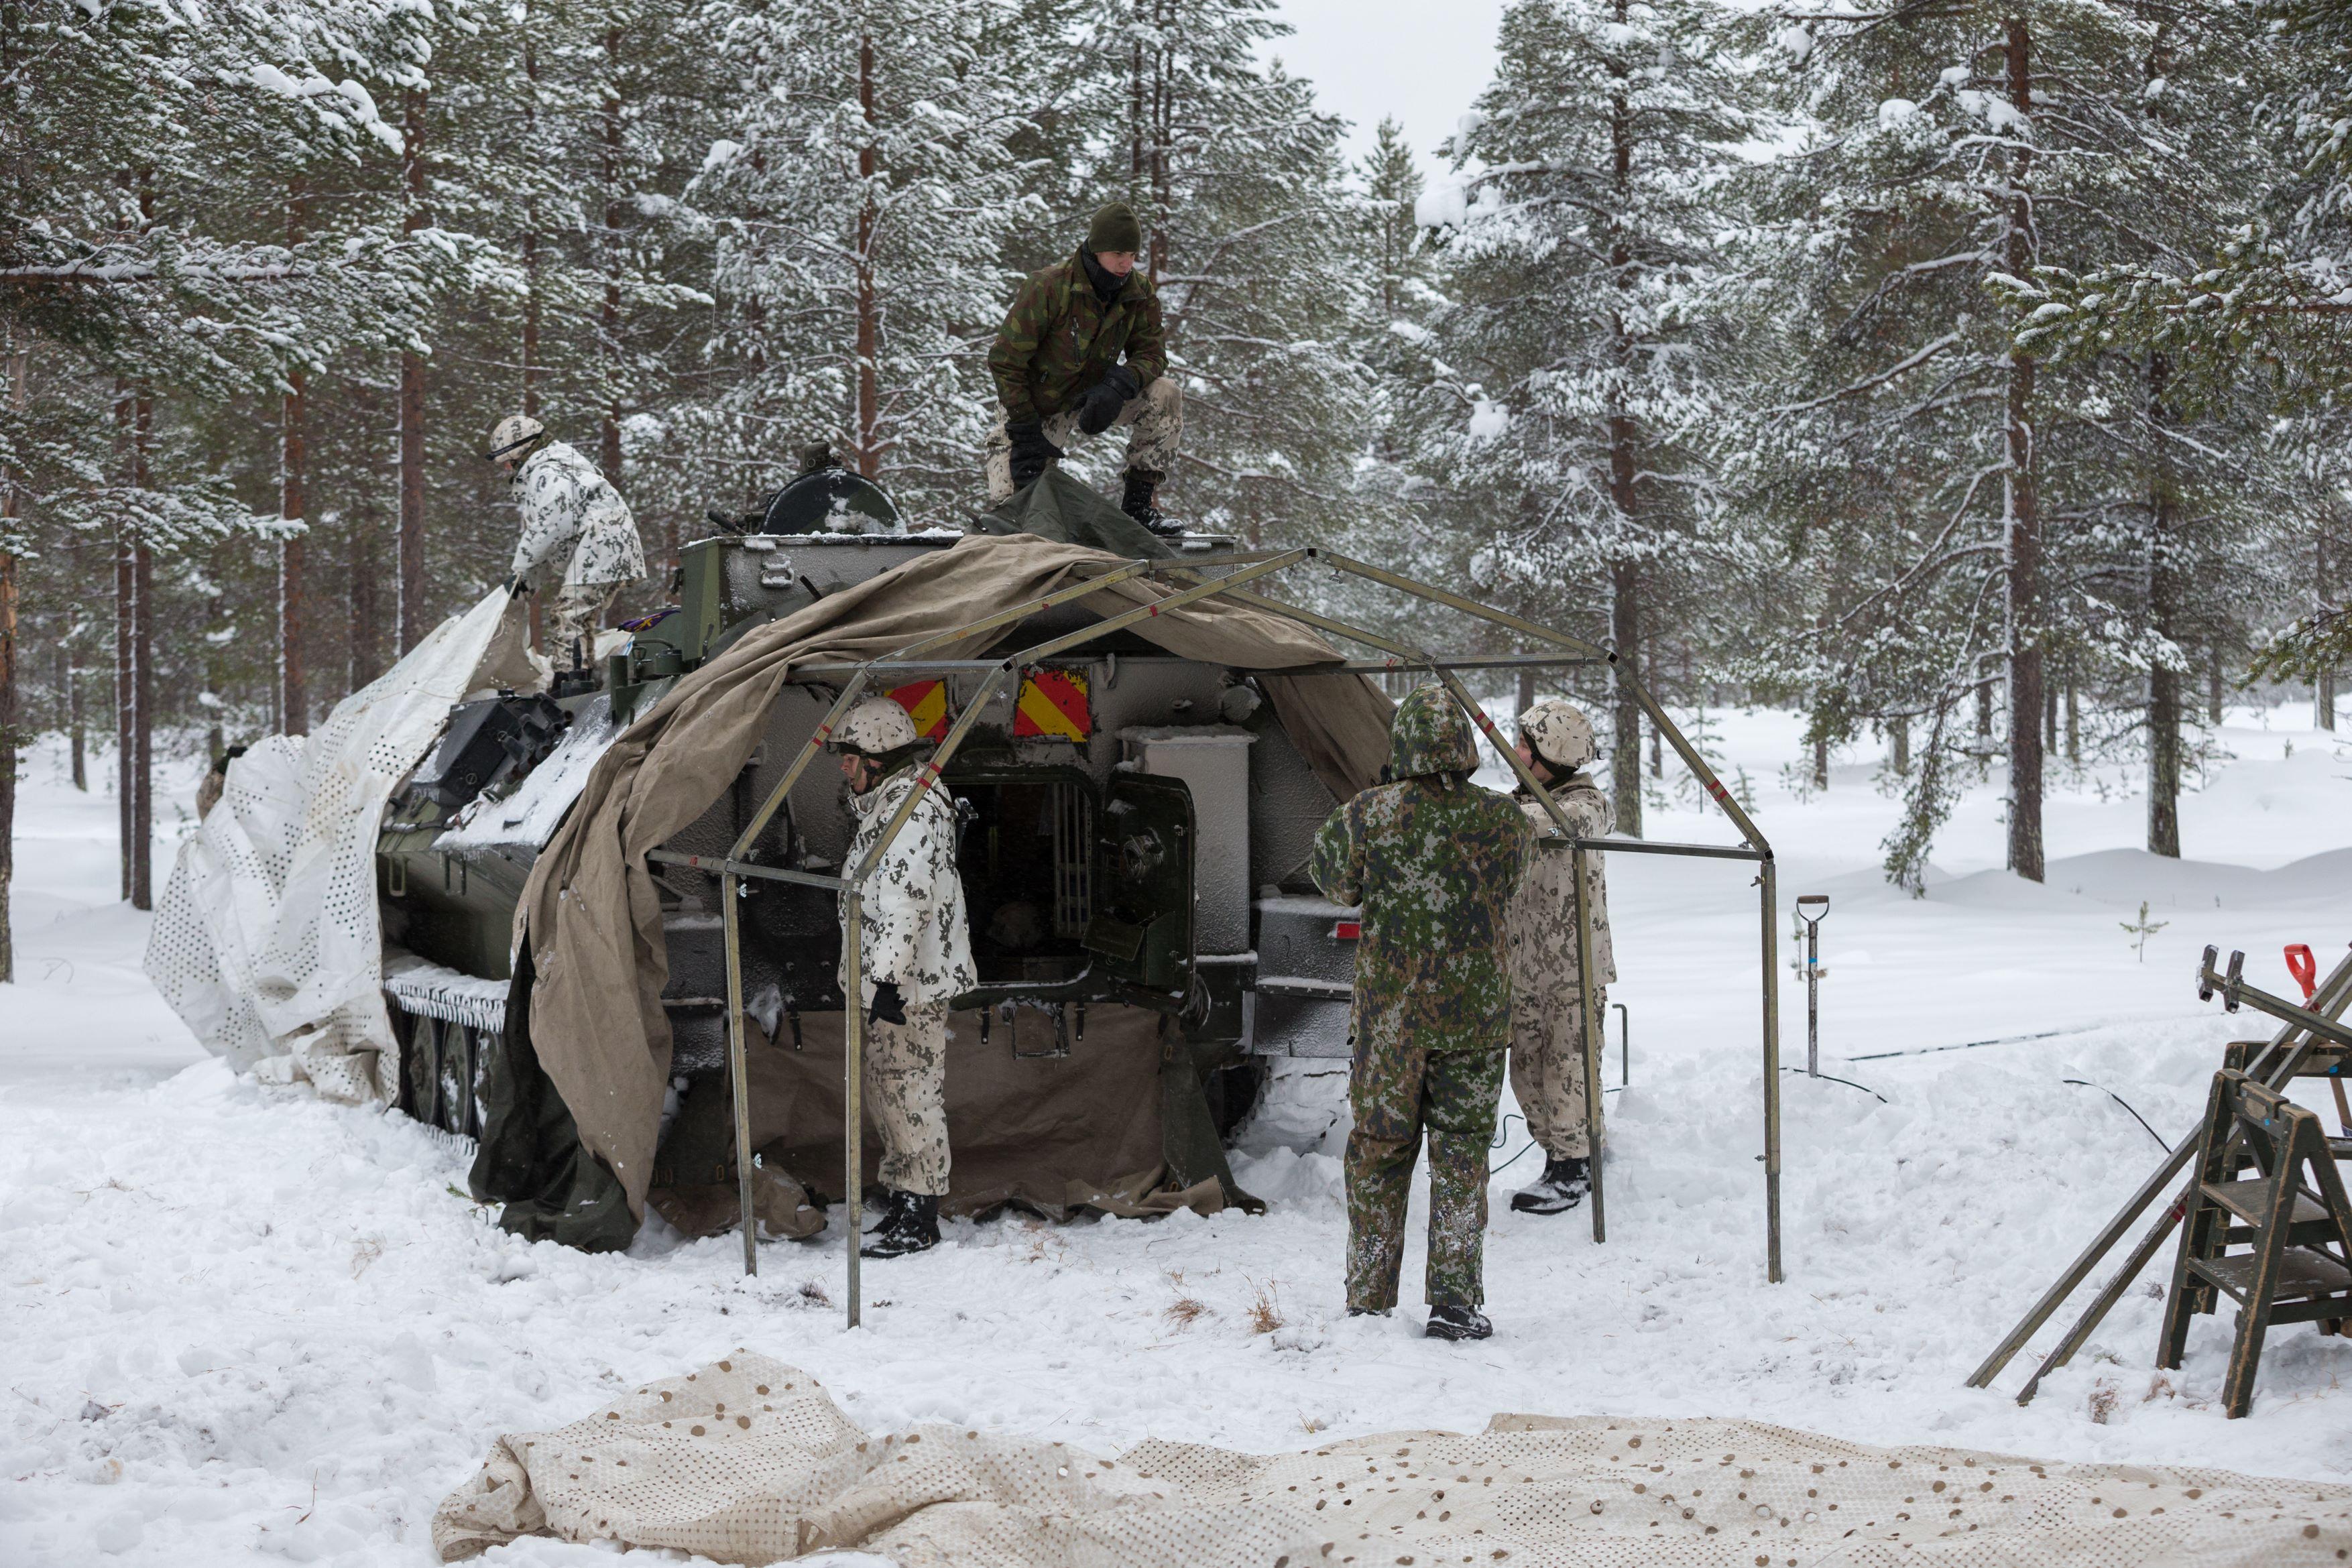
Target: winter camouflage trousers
{"type": "Point", "coordinates": [1154, 419]}
{"type": "Point", "coordinates": [1548, 1069]}
{"type": "Point", "coordinates": [1395, 1095]}
{"type": "Point", "coordinates": [905, 1082]}
{"type": "Point", "coordinates": [577, 613]}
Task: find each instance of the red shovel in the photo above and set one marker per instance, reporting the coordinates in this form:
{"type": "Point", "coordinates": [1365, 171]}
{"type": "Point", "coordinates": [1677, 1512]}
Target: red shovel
{"type": "Point", "coordinates": [2304, 969]}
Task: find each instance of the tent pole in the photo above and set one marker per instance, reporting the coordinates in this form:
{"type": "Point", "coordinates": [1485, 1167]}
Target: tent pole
{"type": "Point", "coordinates": [1767, 879]}
{"type": "Point", "coordinates": [1589, 1016]}
{"type": "Point", "coordinates": [738, 1073]}
{"type": "Point", "coordinates": [853, 995]}
{"type": "Point", "coordinates": [1666, 727]}
{"type": "Point", "coordinates": [852, 1061]}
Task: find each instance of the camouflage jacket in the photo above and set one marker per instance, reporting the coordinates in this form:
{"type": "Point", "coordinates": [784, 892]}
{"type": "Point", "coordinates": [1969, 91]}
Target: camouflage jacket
{"type": "Point", "coordinates": [1543, 916]}
{"type": "Point", "coordinates": [576, 527]}
{"type": "Point", "coordinates": [1058, 339]}
{"type": "Point", "coordinates": [1434, 859]}
{"type": "Point", "coordinates": [915, 930]}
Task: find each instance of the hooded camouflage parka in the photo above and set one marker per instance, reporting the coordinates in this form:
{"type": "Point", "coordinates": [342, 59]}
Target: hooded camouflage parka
{"type": "Point", "coordinates": [1435, 861]}
{"type": "Point", "coordinates": [1059, 339]}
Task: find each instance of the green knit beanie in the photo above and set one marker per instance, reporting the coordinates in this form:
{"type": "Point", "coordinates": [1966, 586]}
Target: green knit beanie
{"type": "Point", "coordinates": [1114, 229]}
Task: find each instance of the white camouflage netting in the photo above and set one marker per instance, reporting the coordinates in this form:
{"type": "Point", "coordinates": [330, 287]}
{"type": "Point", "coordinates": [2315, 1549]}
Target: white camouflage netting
{"type": "Point", "coordinates": [266, 941]}
{"type": "Point", "coordinates": [748, 1461]}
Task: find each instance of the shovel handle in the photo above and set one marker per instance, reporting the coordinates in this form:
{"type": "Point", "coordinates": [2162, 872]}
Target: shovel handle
{"type": "Point", "coordinates": [2304, 967]}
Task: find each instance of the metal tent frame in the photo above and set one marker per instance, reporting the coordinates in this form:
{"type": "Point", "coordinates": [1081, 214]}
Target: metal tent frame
{"type": "Point", "coordinates": [1222, 576]}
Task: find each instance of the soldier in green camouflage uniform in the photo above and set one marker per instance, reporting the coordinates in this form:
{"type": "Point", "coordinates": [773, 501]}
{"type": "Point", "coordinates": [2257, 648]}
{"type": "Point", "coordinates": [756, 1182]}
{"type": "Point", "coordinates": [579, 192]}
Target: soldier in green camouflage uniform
{"type": "Point", "coordinates": [1434, 859]}
{"type": "Point", "coordinates": [1058, 376]}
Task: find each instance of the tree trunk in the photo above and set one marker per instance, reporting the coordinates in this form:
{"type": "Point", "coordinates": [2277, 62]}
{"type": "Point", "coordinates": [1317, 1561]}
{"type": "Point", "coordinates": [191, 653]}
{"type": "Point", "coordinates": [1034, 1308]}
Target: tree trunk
{"type": "Point", "coordinates": [2023, 531]}
{"type": "Point", "coordinates": [143, 670]}
{"type": "Point", "coordinates": [11, 512]}
{"type": "Point", "coordinates": [608, 446]}
{"type": "Point", "coordinates": [2074, 720]}
{"type": "Point", "coordinates": [2164, 601]}
{"type": "Point", "coordinates": [366, 659]}
{"type": "Point", "coordinates": [125, 597]}
{"type": "Point", "coordinates": [1625, 757]}
{"type": "Point", "coordinates": [530, 302]}
{"type": "Point", "coordinates": [77, 719]}
{"type": "Point", "coordinates": [1821, 760]}
{"type": "Point", "coordinates": [865, 441]}
{"type": "Point", "coordinates": [2213, 686]}
{"type": "Point", "coordinates": [1624, 574]}
{"type": "Point", "coordinates": [1657, 736]}
{"type": "Point", "coordinates": [293, 687]}
{"type": "Point", "coordinates": [1163, 128]}
{"type": "Point", "coordinates": [1527, 690]}
{"type": "Point", "coordinates": [1898, 732]}
{"type": "Point", "coordinates": [410, 613]}
{"type": "Point", "coordinates": [2323, 683]}
{"type": "Point", "coordinates": [1984, 712]}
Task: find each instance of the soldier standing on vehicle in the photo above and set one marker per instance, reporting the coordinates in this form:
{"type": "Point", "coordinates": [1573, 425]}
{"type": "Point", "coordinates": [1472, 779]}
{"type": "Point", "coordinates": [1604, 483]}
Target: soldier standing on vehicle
{"type": "Point", "coordinates": [1547, 1014]}
{"type": "Point", "coordinates": [1058, 376]}
{"type": "Point", "coordinates": [578, 536]}
{"type": "Point", "coordinates": [1435, 861]}
{"type": "Point", "coordinates": [916, 959]}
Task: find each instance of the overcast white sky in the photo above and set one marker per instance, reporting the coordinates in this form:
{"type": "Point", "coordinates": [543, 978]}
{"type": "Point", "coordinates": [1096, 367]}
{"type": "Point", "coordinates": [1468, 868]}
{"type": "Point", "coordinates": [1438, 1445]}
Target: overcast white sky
{"type": "Point", "coordinates": [1420, 60]}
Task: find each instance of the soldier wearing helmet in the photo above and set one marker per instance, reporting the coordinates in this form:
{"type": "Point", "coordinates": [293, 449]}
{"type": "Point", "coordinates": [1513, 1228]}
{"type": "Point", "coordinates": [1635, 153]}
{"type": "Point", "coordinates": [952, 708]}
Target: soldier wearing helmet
{"type": "Point", "coordinates": [1547, 1014]}
{"type": "Point", "coordinates": [578, 537]}
{"type": "Point", "coordinates": [1435, 861]}
{"type": "Point", "coordinates": [916, 958]}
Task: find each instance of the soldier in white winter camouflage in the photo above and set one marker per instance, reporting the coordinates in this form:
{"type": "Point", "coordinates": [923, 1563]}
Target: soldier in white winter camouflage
{"type": "Point", "coordinates": [916, 959]}
{"type": "Point", "coordinates": [579, 541]}
{"type": "Point", "coordinates": [1548, 1043]}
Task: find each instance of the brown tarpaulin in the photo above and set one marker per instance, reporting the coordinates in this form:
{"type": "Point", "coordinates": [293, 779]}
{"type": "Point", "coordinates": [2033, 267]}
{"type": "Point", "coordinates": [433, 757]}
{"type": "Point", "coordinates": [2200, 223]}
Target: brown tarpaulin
{"type": "Point", "coordinates": [1025, 1130]}
{"type": "Point", "coordinates": [593, 915]}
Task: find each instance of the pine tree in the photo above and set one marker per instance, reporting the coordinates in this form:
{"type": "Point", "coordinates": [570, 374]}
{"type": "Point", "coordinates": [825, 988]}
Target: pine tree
{"type": "Point", "coordinates": [2023, 139]}
{"type": "Point", "coordinates": [1576, 364]}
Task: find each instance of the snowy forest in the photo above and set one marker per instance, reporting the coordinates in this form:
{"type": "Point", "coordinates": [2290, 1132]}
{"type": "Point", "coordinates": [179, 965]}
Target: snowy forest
{"type": "Point", "coordinates": [1965, 376]}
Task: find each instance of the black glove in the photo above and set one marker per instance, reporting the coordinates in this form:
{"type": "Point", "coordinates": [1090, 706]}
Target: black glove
{"type": "Point", "coordinates": [889, 1007]}
{"type": "Point", "coordinates": [1031, 453]}
{"type": "Point", "coordinates": [1099, 410]}
{"type": "Point", "coordinates": [517, 585]}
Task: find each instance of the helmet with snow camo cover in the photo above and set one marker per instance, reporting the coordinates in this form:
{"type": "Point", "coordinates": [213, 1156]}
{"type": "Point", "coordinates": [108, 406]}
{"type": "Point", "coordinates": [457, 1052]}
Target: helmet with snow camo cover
{"type": "Point", "coordinates": [877, 727]}
{"type": "Point", "coordinates": [1559, 734]}
{"type": "Point", "coordinates": [516, 437]}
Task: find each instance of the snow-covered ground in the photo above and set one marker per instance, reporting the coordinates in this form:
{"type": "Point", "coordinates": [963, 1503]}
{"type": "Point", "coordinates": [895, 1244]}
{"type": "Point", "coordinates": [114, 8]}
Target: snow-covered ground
{"type": "Point", "coordinates": [240, 1322]}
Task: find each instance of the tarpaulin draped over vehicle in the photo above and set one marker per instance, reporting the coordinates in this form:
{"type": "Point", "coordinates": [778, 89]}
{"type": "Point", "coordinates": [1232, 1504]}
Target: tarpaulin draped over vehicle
{"type": "Point", "coordinates": [591, 912]}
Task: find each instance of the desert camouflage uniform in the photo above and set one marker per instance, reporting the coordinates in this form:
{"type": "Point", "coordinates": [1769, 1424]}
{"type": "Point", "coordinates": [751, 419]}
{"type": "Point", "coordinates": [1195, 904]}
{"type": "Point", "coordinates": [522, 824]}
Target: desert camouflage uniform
{"type": "Point", "coordinates": [1433, 860]}
{"type": "Point", "coordinates": [579, 544]}
{"type": "Point", "coordinates": [914, 932]}
{"type": "Point", "coordinates": [1057, 340]}
{"type": "Point", "coordinates": [1546, 1011]}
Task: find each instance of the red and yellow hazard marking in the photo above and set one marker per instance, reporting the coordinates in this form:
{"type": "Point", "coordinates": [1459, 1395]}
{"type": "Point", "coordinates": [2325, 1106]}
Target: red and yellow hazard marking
{"type": "Point", "coordinates": [926, 703]}
{"type": "Point", "coordinates": [1054, 702]}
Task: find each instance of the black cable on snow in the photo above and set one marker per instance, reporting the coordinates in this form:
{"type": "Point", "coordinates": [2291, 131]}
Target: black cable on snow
{"type": "Point", "coordinates": [2087, 1083]}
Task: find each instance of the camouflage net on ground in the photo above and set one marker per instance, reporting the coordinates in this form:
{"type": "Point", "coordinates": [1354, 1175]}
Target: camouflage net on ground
{"type": "Point", "coordinates": [748, 1461]}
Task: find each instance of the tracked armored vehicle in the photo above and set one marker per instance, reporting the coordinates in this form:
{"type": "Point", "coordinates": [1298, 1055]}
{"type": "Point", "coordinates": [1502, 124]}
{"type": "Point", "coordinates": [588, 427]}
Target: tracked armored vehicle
{"type": "Point", "coordinates": [1133, 828]}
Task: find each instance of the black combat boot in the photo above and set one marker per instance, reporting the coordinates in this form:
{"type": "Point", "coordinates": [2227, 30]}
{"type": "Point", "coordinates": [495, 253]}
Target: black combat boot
{"type": "Point", "coordinates": [1560, 1189]}
{"type": "Point", "coordinates": [910, 1224]}
{"type": "Point", "coordinates": [1457, 1322]}
{"type": "Point", "coordinates": [1137, 504]}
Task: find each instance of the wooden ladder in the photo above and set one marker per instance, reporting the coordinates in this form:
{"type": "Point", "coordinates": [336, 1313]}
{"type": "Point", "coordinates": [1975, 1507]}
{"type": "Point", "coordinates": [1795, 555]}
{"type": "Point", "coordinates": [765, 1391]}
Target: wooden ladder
{"type": "Point", "coordinates": [2278, 1242]}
